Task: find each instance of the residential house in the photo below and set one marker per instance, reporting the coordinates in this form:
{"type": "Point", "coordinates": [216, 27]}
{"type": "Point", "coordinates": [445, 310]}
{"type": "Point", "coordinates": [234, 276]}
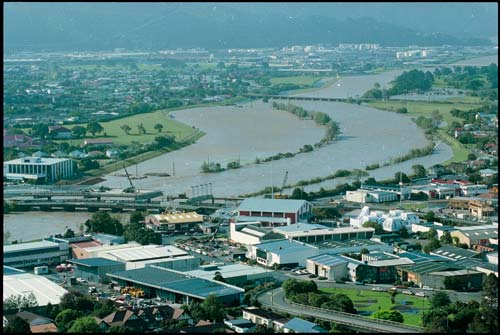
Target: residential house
{"type": "Point", "coordinates": [125, 318]}
{"type": "Point", "coordinates": [297, 325]}
{"type": "Point", "coordinates": [240, 325]}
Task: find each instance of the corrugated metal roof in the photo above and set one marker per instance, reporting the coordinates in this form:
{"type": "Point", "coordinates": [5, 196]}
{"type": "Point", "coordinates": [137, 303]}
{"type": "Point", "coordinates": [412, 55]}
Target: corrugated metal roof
{"type": "Point", "coordinates": [283, 246]}
{"type": "Point", "coordinates": [172, 281]}
{"type": "Point", "coordinates": [97, 261]}
{"type": "Point", "coordinates": [44, 290]}
{"type": "Point", "coordinates": [328, 260]}
{"type": "Point", "coordinates": [179, 217]}
{"type": "Point", "coordinates": [147, 252]}
{"type": "Point", "coordinates": [271, 205]}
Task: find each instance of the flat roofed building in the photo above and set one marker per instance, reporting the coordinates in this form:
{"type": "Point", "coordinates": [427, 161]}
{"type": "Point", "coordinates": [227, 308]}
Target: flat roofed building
{"type": "Point", "coordinates": [16, 282]}
{"type": "Point", "coordinates": [365, 196]}
{"type": "Point", "coordinates": [312, 233]}
{"type": "Point", "coordinates": [173, 221]}
{"type": "Point", "coordinates": [35, 253]}
{"type": "Point", "coordinates": [176, 287]}
{"type": "Point", "coordinates": [36, 168]}
{"type": "Point", "coordinates": [281, 253]}
{"type": "Point", "coordinates": [274, 212]}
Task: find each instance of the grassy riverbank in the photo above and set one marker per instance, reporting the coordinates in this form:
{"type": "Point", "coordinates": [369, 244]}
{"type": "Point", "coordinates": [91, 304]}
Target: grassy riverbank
{"type": "Point", "coordinates": [422, 108]}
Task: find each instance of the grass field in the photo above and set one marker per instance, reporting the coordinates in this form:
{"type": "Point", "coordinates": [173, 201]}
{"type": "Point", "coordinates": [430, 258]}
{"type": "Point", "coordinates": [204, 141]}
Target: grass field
{"type": "Point", "coordinates": [417, 108]}
{"type": "Point", "coordinates": [298, 80]}
{"type": "Point", "coordinates": [113, 130]}
{"type": "Point", "coordinates": [369, 302]}
{"type": "Point", "coordinates": [93, 67]}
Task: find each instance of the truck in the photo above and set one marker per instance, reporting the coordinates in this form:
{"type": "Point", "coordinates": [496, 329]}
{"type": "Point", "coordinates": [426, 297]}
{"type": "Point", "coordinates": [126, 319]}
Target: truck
{"type": "Point", "coordinates": [41, 270]}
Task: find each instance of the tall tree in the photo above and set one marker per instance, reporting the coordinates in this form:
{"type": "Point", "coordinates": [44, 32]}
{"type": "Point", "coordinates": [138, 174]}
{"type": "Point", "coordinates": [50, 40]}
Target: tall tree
{"type": "Point", "coordinates": [94, 127]}
{"type": "Point", "coordinates": [158, 127]}
{"type": "Point", "coordinates": [78, 131]}
{"type": "Point", "coordinates": [126, 128]}
{"type": "Point", "coordinates": [86, 324]}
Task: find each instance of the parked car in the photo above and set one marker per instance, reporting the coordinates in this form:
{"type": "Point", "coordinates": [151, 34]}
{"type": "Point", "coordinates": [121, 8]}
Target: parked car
{"type": "Point", "coordinates": [312, 275]}
{"type": "Point", "coordinates": [420, 294]}
{"type": "Point", "coordinates": [379, 289]}
{"type": "Point", "coordinates": [408, 292]}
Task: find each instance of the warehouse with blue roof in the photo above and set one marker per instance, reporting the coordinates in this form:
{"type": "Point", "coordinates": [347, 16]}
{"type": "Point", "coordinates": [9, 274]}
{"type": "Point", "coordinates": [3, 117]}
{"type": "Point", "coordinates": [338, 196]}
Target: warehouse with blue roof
{"type": "Point", "coordinates": [176, 287]}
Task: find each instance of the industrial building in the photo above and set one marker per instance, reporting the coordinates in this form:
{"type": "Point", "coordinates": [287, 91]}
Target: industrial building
{"type": "Point", "coordinates": [274, 212]}
{"type": "Point", "coordinates": [455, 253]}
{"type": "Point", "coordinates": [378, 268]}
{"type": "Point", "coordinates": [478, 207]}
{"type": "Point", "coordinates": [312, 233]}
{"type": "Point", "coordinates": [234, 274]}
{"type": "Point", "coordinates": [282, 253]}
{"type": "Point", "coordinates": [37, 168]}
{"type": "Point", "coordinates": [173, 222]}
{"type": "Point", "coordinates": [17, 282]}
{"type": "Point", "coordinates": [35, 254]}
{"type": "Point", "coordinates": [176, 287]}
{"type": "Point", "coordinates": [475, 236]}
{"type": "Point", "coordinates": [250, 233]}
{"type": "Point", "coordinates": [365, 196]}
{"type": "Point", "coordinates": [424, 227]}
{"type": "Point", "coordinates": [94, 270]}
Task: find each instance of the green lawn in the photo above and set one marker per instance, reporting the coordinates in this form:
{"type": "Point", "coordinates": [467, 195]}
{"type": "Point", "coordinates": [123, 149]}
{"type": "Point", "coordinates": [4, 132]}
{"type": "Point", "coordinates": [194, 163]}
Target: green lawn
{"type": "Point", "coordinates": [368, 302]}
{"type": "Point", "coordinates": [113, 130]}
{"type": "Point", "coordinates": [298, 80]}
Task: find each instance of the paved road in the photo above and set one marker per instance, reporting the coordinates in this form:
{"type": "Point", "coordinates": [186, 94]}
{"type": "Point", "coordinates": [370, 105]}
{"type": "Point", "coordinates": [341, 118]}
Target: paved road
{"type": "Point", "coordinates": [276, 300]}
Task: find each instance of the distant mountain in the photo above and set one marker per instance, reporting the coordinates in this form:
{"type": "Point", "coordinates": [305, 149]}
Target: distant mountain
{"type": "Point", "coordinates": [155, 26]}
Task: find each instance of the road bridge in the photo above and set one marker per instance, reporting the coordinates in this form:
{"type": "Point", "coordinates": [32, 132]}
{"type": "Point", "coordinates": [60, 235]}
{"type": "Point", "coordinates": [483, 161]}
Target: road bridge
{"type": "Point", "coordinates": [304, 98]}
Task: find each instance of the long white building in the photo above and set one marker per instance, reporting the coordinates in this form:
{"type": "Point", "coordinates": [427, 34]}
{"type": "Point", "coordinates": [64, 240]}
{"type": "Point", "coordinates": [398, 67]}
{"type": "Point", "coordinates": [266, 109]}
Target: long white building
{"type": "Point", "coordinates": [34, 168]}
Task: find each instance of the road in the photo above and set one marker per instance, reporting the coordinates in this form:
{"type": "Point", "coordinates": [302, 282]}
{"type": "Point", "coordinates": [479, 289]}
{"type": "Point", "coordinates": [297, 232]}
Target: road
{"type": "Point", "coordinates": [275, 299]}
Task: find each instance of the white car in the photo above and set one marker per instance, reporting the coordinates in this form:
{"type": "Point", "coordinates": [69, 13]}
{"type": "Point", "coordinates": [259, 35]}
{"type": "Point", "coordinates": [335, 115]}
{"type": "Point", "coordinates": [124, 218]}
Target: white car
{"type": "Point", "coordinates": [408, 292]}
{"type": "Point", "coordinates": [420, 294]}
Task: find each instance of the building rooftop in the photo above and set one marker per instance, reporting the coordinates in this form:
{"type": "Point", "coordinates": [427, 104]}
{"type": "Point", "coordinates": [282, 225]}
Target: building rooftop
{"type": "Point", "coordinates": [175, 282]}
{"type": "Point", "coordinates": [329, 244]}
{"type": "Point", "coordinates": [262, 313]}
{"type": "Point", "coordinates": [179, 217]}
{"type": "Point", "coordinates": [228, 271]}
{"type": "Point", "coordinates": [302, 326]}
{"type": "Point", "coordinates": [298, 227]}
{"type": "Point", "coordinates": [28, 246]}
{"type": "Point", "coordinates": [94, 262]}
{"type": "Point", "coordinates": [44, 290]}
{"type": "Point", "coordinates": [321, 231]}
{"type": "Point", "coordinates": [428, 267]}
{"type": "Point", "coordinates": [454, 253]}
{"type": "Point", "coordinates": [328, 260]}
{"type": "Point", "coordinates": [36, 160]}
{"type": "Point", "coordinates": [419, 257]}
{"type": "Point", "coordinates": [147, 252]}
{"type": "Point", "coordinates": [284, 246]}
{"type": "Point", "coordinates": [271, 205]}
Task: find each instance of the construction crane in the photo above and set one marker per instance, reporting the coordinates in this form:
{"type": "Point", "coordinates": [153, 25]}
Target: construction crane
{"type": "Point", "coordinates": [281, 195]}
{"type": "Point", "coordinates": [130, 189]}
